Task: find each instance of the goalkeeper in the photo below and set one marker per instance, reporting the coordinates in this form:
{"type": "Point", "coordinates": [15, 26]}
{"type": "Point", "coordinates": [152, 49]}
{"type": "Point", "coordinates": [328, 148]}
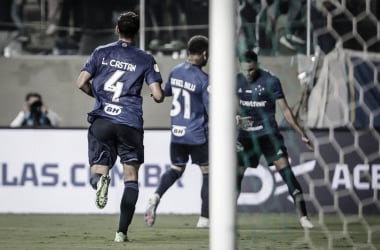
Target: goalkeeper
{"type": "Point", "coordinates": [258, 91]}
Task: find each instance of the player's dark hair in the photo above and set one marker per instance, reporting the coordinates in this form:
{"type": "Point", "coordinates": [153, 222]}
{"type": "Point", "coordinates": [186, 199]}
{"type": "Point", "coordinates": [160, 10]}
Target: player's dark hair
{"type": "Point", "coordinates": [128, 24]}
{"type": "Point", "coordinates": [197, 44]}
{"type": "Point", "coordinates": [32, 94]}
{"type": "Point", "coordinates": [249, 56]}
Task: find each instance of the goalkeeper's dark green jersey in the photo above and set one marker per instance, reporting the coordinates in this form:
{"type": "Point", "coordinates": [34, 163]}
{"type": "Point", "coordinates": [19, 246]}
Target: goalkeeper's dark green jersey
{"type": "Point", "coordinates": [257, 101]}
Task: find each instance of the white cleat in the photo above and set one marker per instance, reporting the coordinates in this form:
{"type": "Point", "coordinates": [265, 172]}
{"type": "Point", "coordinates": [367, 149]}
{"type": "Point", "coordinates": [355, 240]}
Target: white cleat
{"type": "Point", "coordinates": [120, 237]}
{"type": "Point", "coordinates": [150, 212]}
{"type": "Point", "coordinates": [203, 222]}
{"type": "Point", "coordinates": [295, 39]}
{"type": "Point", "coordinates": [102, 191]}
{"type": "Point", "coordinates": [306, 223]}
{"type": "Point", "coordinates": [286, 43]}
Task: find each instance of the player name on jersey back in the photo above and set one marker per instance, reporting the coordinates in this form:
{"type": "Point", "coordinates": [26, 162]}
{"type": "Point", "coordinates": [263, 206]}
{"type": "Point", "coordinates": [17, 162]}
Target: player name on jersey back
{"type": "Point", "coordinates": [119, 64]}
{"type": "Point", "coordinates": [183, 84]}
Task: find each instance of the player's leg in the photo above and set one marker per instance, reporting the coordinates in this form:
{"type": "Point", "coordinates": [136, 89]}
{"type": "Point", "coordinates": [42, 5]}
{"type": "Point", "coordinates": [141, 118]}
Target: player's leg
{"type": "Point", "coordinates": [166, 181]}
{"type": "Point", "coordinates": [295, 190]}
{"type": "Point", "coordinates": [199, 156]}
{"type": "Point", "coordinates": [128, 200]}
{"type": "Point", "coordinates": [179, 156]}
{"type": "Point", "coordinates": [248, 155]}
{"type": "Point", "coordinates": [100, 181]}
{"type": "Point", "coordinates": [102, 156]}
{"type": "Point", "coordinates": [203, 221]}
{"type": "Point", "coordinates": [131, 151]}
{"type": "Point", "coordinates": [276, 152]}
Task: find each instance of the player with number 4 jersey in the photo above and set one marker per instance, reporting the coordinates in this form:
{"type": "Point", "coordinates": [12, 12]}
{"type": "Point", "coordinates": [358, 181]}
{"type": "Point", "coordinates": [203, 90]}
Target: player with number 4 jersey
{"type": "Point", "coordinates": [120, 70]}
{"type": "Point", "coordinates": [114, 75]}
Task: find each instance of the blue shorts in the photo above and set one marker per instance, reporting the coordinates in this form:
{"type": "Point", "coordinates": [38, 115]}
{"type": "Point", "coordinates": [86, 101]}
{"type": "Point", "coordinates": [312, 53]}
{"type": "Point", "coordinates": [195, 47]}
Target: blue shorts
{"type": "Point", "coordinates": [179, 154]}
{"type": "Point", "coordinates": [271, 146]}
{"type": "Point", "coordinates": [107, 140]}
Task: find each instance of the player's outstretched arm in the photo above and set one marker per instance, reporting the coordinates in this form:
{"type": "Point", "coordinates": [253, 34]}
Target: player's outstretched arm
{"type": "Point", "coordinates": [83, 83]}
{"type": "Point", "coordinates": [288, 114]}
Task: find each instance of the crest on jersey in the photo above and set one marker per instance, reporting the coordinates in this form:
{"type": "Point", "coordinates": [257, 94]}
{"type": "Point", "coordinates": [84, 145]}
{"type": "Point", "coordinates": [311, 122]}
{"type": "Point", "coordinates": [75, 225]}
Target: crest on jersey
{"type": "Point", "coordinates": [178, 131]}
{"type": "Point", "coordinates": [155, 66]}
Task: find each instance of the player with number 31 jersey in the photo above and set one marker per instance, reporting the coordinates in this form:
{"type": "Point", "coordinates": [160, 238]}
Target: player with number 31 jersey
{"type": "Point", "coordinates": [188, 86]}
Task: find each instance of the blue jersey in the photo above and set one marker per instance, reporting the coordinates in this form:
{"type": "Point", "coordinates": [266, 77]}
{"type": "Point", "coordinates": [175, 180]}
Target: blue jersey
{"type": "Point", "coordinates": [188, 85]}
{"type": "Point", "coordinates": [118, 70]}
{"type": "Point", "coordinates": [257, 100]}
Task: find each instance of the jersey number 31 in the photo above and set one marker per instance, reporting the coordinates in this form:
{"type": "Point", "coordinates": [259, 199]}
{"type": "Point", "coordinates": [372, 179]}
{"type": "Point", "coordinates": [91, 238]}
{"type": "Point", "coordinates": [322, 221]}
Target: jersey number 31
{"type": "Point", "coordinates": [177, 106]}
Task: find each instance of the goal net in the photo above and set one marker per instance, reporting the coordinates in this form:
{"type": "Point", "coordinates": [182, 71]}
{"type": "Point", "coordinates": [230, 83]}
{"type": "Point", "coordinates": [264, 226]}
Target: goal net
{"type": "Point", "coordinates": [337, 101]}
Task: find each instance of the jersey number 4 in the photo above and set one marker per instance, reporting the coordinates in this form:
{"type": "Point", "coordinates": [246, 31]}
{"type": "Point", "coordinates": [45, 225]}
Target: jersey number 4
{"type": "Point", "coordinates": [178, 106]}
{"type": "Point", "coordinates": [113, 85]}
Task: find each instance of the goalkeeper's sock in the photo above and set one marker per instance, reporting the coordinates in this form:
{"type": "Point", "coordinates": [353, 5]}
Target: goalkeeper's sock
{"type": "Point", "coordinates": [294, 189]}
{"type": "Point", "coordinates": [128, 205]}
{"type": "Point", "coordinates": [94, 180]}
{"type": "Point", "coordinates": [204, 197]}
{"type": "Point", "coordinates": [167, 180]}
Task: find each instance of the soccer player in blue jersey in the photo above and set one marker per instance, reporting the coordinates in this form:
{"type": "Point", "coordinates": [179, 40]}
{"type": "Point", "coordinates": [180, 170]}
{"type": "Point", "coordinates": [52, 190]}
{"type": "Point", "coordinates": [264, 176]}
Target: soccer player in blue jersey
{"type": "Point", "coordinates": [114, 75]}
{"type": "Point", "coordinates": [258, 91]}
{"type": "Point", "coordinates": [188, 86]}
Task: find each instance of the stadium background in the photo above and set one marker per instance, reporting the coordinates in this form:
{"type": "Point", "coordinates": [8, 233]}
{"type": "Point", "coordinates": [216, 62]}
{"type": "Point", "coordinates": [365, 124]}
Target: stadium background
{"type": "Point", "coordinates": [334, 90]}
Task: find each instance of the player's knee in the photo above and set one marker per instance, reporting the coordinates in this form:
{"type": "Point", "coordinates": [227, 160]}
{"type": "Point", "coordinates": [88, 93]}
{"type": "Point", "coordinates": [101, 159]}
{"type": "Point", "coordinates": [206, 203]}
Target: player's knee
{"type": "Point", "coordinates": [204, 169]}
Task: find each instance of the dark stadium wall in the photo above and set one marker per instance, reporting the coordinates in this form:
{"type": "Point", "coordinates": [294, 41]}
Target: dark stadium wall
{"type": "Point", "coordinates": [54, 78]}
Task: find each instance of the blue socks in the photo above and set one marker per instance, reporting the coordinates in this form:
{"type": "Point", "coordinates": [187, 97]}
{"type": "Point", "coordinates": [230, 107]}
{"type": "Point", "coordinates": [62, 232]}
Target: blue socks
{"type": "Point", "coordinates": [128, 205]}
{"type": "Point", "coordinates": [94, 180]}
{"type": "Point", "coordinates": [204, 196]}
{"type": "Point", "coordinates": [167, 180]}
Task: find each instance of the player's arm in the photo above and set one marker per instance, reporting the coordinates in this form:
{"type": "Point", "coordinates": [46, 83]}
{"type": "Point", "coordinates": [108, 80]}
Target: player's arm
{"type": "Point", "coordinates": [83, 83]}
{"type": "Point", "coordinates": [288, 115]}
{"type": "Point", "coordinates": [156, 92]}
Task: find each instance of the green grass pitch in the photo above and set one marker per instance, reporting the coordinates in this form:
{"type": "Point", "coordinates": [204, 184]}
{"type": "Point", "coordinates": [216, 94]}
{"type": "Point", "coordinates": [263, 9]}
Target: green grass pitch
{"type": "Point", "coordinates": [254, 231]}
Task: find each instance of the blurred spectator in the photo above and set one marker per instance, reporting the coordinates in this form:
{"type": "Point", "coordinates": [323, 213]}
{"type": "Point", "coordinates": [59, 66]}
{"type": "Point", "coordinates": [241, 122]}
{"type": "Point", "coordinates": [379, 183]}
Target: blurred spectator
{"type": "Point", "coordinates": [69, 26]}
{"type": "Point", "coordinates": [98, 26]}
{"type": "Point", "coordinates": [248, 10]}
{"type": "Point", "coordinates": [295, 32]}
{"type": "Point", "coordinates": [17, 14]}
{"type": "Point", "coordinates": [167, 20]}
{"type": "Point", "coordinates": [35, 114]}
{"type": "Point", "coordinates": [196, 12]}
{"type": "Point", "coordinates": [54, 8]}
{"type": "Point", "coordinates": [7, 28]}
{"type": "Point", "coordinates": [12, 16]}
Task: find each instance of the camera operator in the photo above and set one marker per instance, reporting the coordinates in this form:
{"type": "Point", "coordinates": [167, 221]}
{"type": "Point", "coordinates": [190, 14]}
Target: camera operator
{"type": "Point", "coordinates": [35, 114]}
